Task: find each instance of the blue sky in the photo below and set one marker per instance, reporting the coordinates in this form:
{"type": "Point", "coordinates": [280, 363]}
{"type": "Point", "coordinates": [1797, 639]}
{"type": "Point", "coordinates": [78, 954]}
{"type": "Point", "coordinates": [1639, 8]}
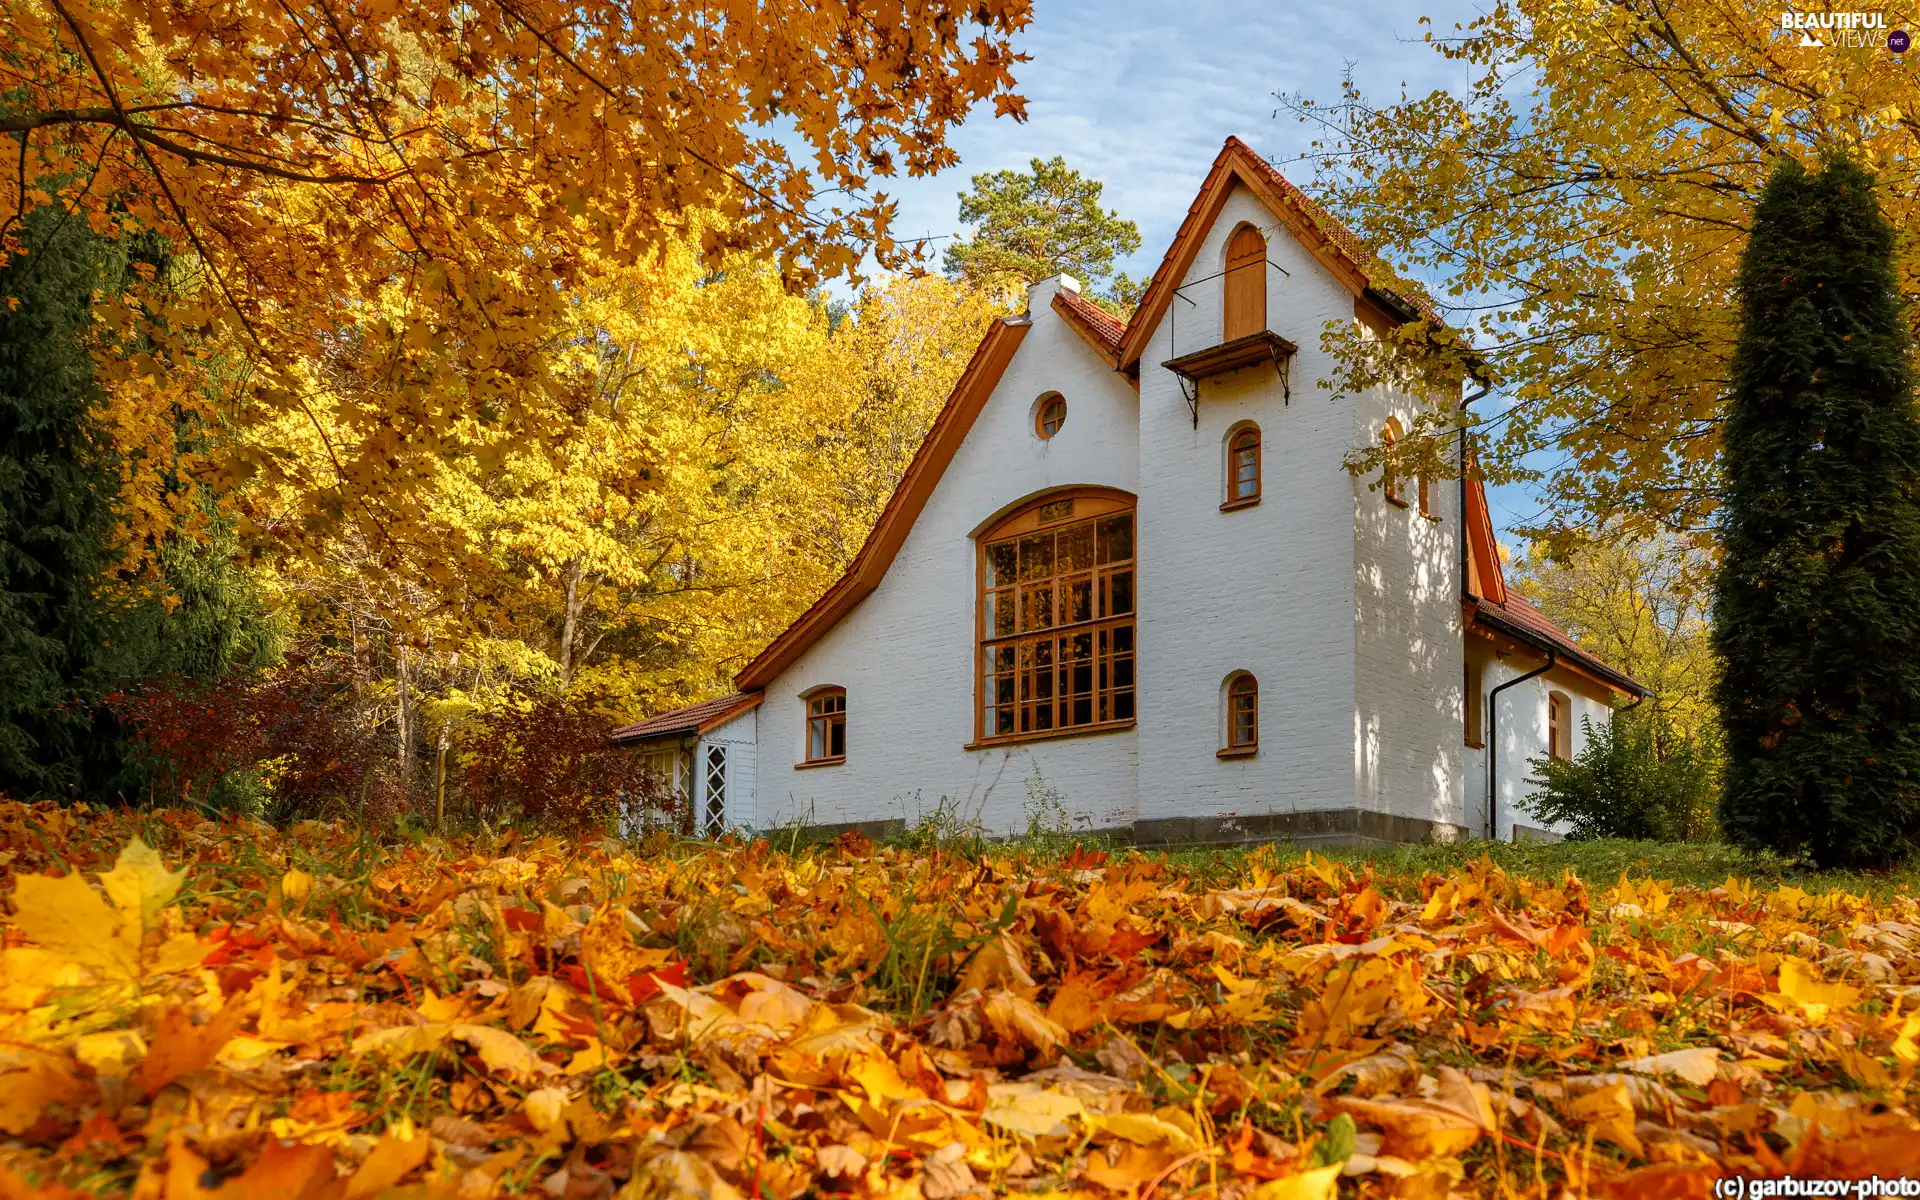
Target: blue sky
{"type": "Point", "coordinates": [1140, 94]}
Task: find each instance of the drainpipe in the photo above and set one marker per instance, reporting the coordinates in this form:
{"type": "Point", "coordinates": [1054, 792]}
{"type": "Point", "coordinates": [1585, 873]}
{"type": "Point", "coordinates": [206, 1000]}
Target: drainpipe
{"type": "Point", "coordinates": [1493, 742]}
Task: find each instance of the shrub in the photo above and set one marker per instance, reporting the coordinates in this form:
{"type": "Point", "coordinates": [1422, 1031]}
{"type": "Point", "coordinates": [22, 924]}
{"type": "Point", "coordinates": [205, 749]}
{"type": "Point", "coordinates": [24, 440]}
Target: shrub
{"type": "Point", "coordinates": [1629, 781]}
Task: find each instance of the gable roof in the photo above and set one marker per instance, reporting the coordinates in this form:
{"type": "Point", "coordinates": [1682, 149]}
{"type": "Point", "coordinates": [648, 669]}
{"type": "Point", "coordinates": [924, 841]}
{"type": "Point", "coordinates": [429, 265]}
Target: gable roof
{"type": "Point", "coordinates": [869, 566]}
{"type": "Point", "coordinates": [1494, 609]}
{"type": "Point", "coordinates": [1323, 236]}
{"type": "Point", "coordinates": [694, 719]}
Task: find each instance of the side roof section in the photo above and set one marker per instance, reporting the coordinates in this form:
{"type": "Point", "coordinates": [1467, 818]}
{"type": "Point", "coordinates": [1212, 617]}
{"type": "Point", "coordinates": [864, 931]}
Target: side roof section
{"type": "Point", "coordinates": [1490, 606]}
{"type": "Point", "coordinates": [693, 720]}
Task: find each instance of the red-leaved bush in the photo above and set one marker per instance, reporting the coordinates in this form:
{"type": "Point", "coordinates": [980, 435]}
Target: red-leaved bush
{"type": "Point", "coordinates": [546, 756]}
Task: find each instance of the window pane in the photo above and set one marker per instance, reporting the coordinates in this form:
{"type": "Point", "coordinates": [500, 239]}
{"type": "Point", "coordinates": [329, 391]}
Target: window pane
{"type": "Point", "coordinates": [1036, 556]}
{"type": "Point", "coordinates": [838, 740]}
{"type": "Point", "coordinates": [1000, 564]}
{"type": "Point", "coordinates": [1119, 595]}
{"type": "Point", "coordinates": [1000, 613]}
{"type": "Point", "coordinates": [1079, 600]}
{"type": "Point", "coordinates": [1116, 538]}
{"type": "Point", "coordinates": [1036, 607]}
{"type": "Point", "coordinates": [1075, 547]}
{"type": "Point", "coordinates": [816, 744]}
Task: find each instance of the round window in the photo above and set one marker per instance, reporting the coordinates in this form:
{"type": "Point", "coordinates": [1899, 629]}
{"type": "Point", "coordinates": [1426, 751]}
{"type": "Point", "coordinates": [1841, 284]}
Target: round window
{"type": "Point", "coordinates": [1049, 416]}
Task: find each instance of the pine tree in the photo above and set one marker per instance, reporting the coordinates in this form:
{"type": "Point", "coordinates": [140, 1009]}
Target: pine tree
{"type": "Point", "coordinates": [1817, 607]}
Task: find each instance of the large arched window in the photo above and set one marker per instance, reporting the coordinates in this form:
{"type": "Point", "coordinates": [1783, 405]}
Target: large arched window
{"type": "Point", "coordinates": [1057, 617]}
{"type": "Point", "coordinates": [1245, 309]}
{"type": "Point", "coordinates": [1243, 466]}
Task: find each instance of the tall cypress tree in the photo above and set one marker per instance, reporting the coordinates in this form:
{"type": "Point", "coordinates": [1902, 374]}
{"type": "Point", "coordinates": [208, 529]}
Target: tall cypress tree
{"type": "Point", "coordinates": [1817, 607]}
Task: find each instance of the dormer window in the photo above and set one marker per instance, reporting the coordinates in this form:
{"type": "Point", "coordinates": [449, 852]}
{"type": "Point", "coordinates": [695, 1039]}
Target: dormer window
{"type": "Point", "coordinates": [1245, 310]}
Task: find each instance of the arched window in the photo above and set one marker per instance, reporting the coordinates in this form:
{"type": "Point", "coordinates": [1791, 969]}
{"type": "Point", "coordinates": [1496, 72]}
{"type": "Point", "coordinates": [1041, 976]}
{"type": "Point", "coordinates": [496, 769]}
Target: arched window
{"type": "Point", "coordinates": [1559, 726]}
{"type": "Point", "coordinates": [1242, 715]}
{"type": "Point", "coordinates": [1057, 617]}
{"type": "Point", "coordinates": [826, 725]}
{"type": "Point", "coordinates": [1245, 308]}
{"type": "Point", "coordinates": [1426, 497]}
{"type": "Point", "coordinates": [1049, 414]}
{"type": "Point", "coordinates": [1243, 466]}
{"type": "Point", "coordinates": [1390, 435]}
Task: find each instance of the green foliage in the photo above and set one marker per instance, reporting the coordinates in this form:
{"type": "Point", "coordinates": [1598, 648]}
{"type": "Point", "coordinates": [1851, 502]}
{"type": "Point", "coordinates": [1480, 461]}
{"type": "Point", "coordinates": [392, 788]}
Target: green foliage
{"type": "Point", "coordinates": [1043, 222]}
{"type": "Point", "coordinates": [1633, 779]}
{"type": "Point", "coordinates": [55, 634]}
{"type": "Point", "coordinates": [70, 629]}
{"type": "Point", "coordinates": [1817, 608]}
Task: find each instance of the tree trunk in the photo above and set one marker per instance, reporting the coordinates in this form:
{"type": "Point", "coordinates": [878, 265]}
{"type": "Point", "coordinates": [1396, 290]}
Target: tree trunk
{"type": "Point", "coordinates": [404, 715]}
{"type": "Point", "coordinates": [570, 622]}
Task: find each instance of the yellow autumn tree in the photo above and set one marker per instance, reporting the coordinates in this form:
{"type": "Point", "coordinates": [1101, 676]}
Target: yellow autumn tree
{"type": "Point", "coordinates": [429, 183]}
{"type": "Point", "coordinates": [1580, 208]}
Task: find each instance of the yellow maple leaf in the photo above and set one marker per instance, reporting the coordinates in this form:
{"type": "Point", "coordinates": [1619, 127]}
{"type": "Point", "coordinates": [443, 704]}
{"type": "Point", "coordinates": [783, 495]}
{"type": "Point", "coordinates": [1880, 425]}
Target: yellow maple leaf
{"type": "Point", "coordinates": [68, 918]}
{"type": "Point", "coordinates": [1800, 982]}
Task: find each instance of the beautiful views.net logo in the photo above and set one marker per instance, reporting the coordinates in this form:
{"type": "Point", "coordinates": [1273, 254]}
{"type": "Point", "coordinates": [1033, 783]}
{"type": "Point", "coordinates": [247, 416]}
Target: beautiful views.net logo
{"type": "Point", "coordinates": [1852, 29]}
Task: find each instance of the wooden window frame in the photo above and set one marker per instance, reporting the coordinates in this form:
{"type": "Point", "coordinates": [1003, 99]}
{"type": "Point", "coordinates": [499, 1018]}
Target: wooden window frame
{"type": "Point", "coordinates": [1243, 285]}
{"type": "Point", "coordinates": [1234, 438]}
{"type": "Point", "coordinates": [1559, 726]}
{"type": "Point", "coordinates": [1111, 649]}
{"type": "Point", "coordinates": [1040, 410]}
{"type": "Point", "coordinates": [1241, 685]}
{"type": "Point", "coordinates": [822, 712]}
{"type": "Point", "coordinates": [1390, 435]}
{"type": "Point", "coordinates": [1426, 497]}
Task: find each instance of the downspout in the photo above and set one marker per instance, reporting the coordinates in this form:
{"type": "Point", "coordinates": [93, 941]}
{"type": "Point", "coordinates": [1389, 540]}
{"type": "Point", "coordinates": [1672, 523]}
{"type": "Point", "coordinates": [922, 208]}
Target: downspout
{"type": "Point", "coordinates": [1493, 742]}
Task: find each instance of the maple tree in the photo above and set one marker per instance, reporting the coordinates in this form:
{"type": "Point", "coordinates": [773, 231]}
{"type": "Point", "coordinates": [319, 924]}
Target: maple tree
{"type": "Point", "coordinates": [311, 1013]}
{"type": "Point", "coordinates": [1580, 208]}
{"type": "Point", "coordinates": [392, 203]}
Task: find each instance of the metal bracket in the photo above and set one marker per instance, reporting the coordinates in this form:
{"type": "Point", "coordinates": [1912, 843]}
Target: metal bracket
{"type": "Point", "coordinates": [1190, 388]}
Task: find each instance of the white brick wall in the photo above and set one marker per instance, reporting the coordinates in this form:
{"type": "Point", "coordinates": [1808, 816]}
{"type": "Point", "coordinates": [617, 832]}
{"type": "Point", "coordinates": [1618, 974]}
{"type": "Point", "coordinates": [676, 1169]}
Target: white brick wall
{"type": "Point", "coordinates": [1267, 589]}
{"type": "Point", "coordinates": [906, 654]}
{"type": "Point", "coordinates": [1520, 724]}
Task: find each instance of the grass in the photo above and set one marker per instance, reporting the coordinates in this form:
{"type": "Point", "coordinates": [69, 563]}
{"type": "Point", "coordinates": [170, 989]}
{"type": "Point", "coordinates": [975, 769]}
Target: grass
{"type": "Point", "coordinates": [1699, 864]}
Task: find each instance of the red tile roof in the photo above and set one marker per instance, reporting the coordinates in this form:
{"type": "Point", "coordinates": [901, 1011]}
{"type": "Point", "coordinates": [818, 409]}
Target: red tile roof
{"type": "Point", "coordinates": [1101, 329]}
{"type": "Point", "coordinates": [693, 720]}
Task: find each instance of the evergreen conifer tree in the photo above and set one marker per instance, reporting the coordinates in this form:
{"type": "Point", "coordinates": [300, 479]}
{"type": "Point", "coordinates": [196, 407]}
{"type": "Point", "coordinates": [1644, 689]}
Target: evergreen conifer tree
{"type": "Point", "coordinates": [55, 512]}
{"type": "Point", "coordinates": [1817, 607]}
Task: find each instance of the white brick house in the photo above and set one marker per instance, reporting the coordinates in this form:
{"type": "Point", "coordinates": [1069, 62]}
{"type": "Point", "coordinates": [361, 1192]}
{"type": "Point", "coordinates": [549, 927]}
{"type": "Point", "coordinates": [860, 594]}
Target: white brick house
{"type": "Point", "coordinates": [1128, 569]}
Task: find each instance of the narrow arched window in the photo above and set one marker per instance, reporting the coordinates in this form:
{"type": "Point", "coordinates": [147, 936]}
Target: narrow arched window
{"type": "Point", "coordinates": [1242, 715]}
{"type": "Point", "coordinates": [1243, 467]}
{"type": "Point", "coordinates": [1390, 435]}
{"type": "Point", "coordinates": [1245, 309]}
{"type": "Point", "coordinates": [827, 725]}
{"type": "Point", "coordinates": [1056, 617]}
{"type": "Point", "coordinates": [1559, 726]}
{"type": "Point", "coordinates": [1426, 497]}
